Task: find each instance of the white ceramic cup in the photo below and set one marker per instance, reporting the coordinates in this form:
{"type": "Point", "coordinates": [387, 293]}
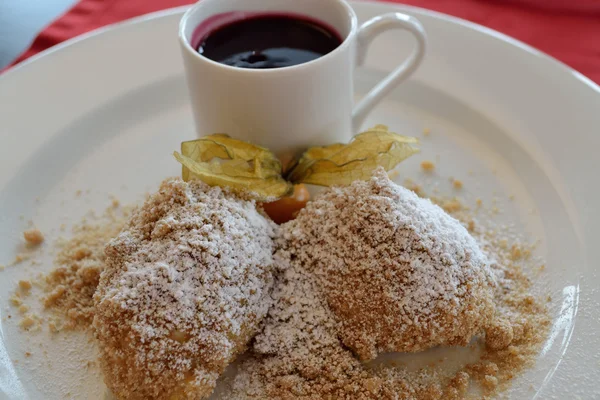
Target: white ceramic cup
{"type": "Point", "coordinates": [291, 108]}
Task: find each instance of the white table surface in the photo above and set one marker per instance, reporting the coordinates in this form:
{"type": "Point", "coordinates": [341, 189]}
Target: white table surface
{"type": "Point", "coordinates": [22, 20]}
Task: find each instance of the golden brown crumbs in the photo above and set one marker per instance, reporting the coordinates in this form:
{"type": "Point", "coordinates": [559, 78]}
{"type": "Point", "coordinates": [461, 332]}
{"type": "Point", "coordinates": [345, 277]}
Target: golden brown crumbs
{"type": "Point", "coordinates": [542, 268]}
{"type": "Point", "coordinates": [25, 286]}
{"type": "Point", "coordinates": [69, 287]}
{"type": "Point", "coordinates": [515, 252]}
{"type": "Point", "coordinates": [411, 185]}
{"type": "Point", "coordinates": [15, 300]}
{"type": "Point", "coordinates": [426, 132]}
{"type": "Point", "coordinates": [451, 206]}
{"type": "Point", "coordinates": [33, 237]}
{"type": "Point", "coordinates": [27, 354]}
{"type": "Point", "coordinates": [78, 193]}
{"type": "Point", "coordinates": [19, 258]}
{"type": "Point", "coordinates": [457, 184]}
{"type": "Point", "coordinates": [518, 252]}
{"type": "Point", "coordinates": [2, 267]}
{"type": "Point", "coordinates": [53, 327]}
{"type": "Point", "coordinates": [29, 322]}
{"type": "Point", "coordinates": [510, 344]}
{"type": "Point", "coordinates": [471, 225]}
{"type": "Point", "coordinates": [23, 308]}
{"type": "Point", "coordinates": [427, 166]}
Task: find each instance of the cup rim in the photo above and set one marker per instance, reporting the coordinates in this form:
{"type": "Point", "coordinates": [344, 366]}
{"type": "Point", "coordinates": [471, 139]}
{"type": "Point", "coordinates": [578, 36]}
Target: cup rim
{"type": "Point", "coordinates": [345, 43]}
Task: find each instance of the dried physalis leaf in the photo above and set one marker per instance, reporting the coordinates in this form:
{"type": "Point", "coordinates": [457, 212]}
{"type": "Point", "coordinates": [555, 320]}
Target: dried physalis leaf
{"type": "Point", "coordinates": [219, 160]}
{"type": "Point", "coordinates": [342, 164]}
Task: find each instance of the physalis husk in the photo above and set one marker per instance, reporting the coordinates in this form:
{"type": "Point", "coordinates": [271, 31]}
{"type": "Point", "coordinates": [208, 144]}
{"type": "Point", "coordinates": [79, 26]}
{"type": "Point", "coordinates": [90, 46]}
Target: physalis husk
{"type": "Point", "coordinates": [219, 160]}
{"type": "Point", "coordinates": [342, 164]}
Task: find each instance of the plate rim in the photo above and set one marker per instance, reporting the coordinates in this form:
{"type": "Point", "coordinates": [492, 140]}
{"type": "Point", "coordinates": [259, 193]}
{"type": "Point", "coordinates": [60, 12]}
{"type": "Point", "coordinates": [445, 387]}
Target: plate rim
{"type": "Point", "coordinates": [492, 34]}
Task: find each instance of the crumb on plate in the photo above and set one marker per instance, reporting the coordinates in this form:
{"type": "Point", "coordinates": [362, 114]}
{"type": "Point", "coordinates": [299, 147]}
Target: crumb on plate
{"type": "Point", "coordinates": [427, 165]}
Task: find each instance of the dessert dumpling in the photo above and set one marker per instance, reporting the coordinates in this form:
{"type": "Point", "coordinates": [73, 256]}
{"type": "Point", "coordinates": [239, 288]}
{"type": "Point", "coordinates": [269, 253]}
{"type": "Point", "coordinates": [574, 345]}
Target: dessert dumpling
{"type": "Point", "coordinates": [398, 273]}
{"type": "Point", "coordinates": [187, 284]}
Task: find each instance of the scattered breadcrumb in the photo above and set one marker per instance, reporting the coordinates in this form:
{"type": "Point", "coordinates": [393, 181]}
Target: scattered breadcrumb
{"type": "Point", "coordinates": [426, 132]}
{"type": "Point", "coordinates": [427, 166]}
{"type": "Point", "coordinates": [54, 326]}
{"type": "Point", "coordinates": [33, 237]}
{"type": "Point", "coordinates": [70, 286]}
{"type": "Point", "coordinates": [19, 258]}
{"type": "Point", "coordinates": [30, 322]}
{"type": "Point", "coordinates": [411, 185]}
{"type": "Point", "coordinates": [471, 225]}
{"type": "Point", "coordinates": [451, 205]}
{"type": "Point", "coordinates": [287, 368]}
{"type": "Point", "coordinates": [510, 344]}
{"type": "Point", "coordinates": [25, 286]}
{"type": "Point", "coordinates": [457, 184]}
{"type": "Point", "coordinates": [15, 300]}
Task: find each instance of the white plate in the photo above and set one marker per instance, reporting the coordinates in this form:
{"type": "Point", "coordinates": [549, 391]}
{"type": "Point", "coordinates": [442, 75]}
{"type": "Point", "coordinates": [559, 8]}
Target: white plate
{"type": "Point", "coordinates": [105, 111]}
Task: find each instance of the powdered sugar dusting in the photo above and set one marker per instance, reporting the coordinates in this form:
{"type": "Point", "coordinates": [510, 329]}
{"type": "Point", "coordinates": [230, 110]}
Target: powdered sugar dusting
{"type": "Point", "coordinates": [368, 268]}
{"type": "Point", "coordinates": [186, 285]}
{"type": "Point", "coordinates": [397, 271]}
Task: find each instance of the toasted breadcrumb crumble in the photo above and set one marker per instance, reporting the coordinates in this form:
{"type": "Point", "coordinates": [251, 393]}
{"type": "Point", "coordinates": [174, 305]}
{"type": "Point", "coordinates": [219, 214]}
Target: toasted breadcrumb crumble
{"type": "Point", "coordinates": [329, 369]}
{"type": "Point", "coordinates": [300, 355]}
{"type": "Point", "coordinates": [457, 184]}
{"type": "Point", "coordinates": [427, 166]}
{"type": "Point", "coordinates": [33, 237]}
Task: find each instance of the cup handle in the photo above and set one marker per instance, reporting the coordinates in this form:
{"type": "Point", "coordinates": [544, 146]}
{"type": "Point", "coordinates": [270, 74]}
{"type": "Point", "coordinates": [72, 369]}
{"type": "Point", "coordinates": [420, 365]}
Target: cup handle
{"type": "Point", "coordinates": [366, 33]}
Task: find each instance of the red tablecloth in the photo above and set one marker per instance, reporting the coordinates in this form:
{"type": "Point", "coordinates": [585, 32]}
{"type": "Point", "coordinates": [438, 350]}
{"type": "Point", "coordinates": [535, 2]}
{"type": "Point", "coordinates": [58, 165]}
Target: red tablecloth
{"type": "Point", "coordinates": [566, 29]}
